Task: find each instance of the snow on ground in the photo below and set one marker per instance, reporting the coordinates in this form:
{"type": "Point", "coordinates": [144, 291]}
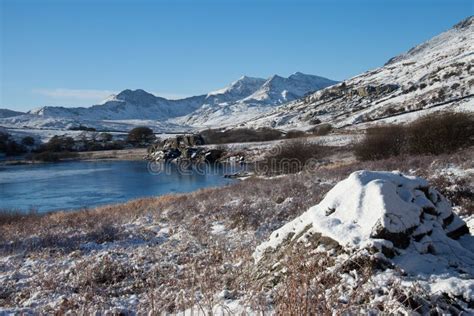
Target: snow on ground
{"type": "Point", "coordinates": [400, 218]}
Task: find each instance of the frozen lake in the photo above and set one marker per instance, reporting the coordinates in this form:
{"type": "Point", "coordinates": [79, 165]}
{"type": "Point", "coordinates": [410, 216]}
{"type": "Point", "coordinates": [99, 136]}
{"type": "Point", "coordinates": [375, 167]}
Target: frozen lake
{"type": "Point", "coordinates": [75, 185]}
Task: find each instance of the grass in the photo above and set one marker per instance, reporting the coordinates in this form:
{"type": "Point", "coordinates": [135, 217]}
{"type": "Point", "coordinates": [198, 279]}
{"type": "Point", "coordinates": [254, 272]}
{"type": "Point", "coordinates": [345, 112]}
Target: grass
{"type": "Point", "coordinates": [188, 271]}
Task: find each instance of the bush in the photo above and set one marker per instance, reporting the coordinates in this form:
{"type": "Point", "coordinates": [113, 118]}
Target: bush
{"type": "Point", "coordinates": [105, 137]}
{"type": "Point", "coordinates": [9, 146]}
{"type": "Point", "coordinates": [381, 142]}
{"type": "Point", "coordinates": [141, 136]}
{"type": "Point", "coordinates": [50, 156]}
{"type": "Point", "coordinates": [82, 128]}
{"type": "Point", "coordinates": [321, 130]}
{"type": "Point", "coordinates": [239, 135]}
{"type": "Point", "coordinates": [433, 134]}
{"type": "Point", "coordinates": [58, 144]}
{"type": "Point", "coordinates": [292, 157]}
{"type": "Point", "coordinates": [440, 133]}
{"type": "Point", "coordinates": [28, 141]}
{"type": "Point", "coordinates": [295, 134]}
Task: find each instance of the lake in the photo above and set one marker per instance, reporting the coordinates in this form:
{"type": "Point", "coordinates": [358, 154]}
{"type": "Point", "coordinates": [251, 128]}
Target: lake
{"type": "Point", "coordinates": [80, 184]}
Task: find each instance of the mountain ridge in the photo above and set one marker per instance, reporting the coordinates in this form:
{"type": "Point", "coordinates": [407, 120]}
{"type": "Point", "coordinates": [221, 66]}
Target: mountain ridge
{"type": "Point", "coordinates": [191, 111]}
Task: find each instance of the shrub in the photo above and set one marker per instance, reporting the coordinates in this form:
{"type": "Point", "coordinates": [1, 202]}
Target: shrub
{"type": "Point", "coordinates": [433, 134]}
{"type": "Point", "coordinates": [82, 128]}
{"type": "Point", "coordinates": [28, 141]}
{"type": "Point", "coordinates": [105, 137]}
{"type": "Point", "coordinates": [50, 156]}
{"type": "Point", "coordinates": [9, 146]}
{"type": "Point", "coordinates": [440, 133]}
{"type": "Point", "coordinates": [58, 144]}
{"type": "Point", "coordinates": [321, 130]}
{"type": "Point", "coordinates": [215, 136]}
{"type": "Point", "coordinates": [141, 135]}
{"type": "Point", "coordinates": [291, 157]}
{"type": "Point", "coordinates": [295, 134]}
{"type": "Point", "coordinates": [381, 142]}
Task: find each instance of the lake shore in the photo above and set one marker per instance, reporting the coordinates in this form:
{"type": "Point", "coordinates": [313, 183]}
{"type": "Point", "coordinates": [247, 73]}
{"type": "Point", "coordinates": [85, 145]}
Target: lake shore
{"type": "Point", "coordinates": [104, 155]}
{"type": "Point", "coordinates": [147, 253]}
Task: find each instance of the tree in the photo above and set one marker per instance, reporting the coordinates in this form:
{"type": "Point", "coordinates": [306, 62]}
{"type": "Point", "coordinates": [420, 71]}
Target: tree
{"type": "Point", "coordinates": [105, 137]}
{"type": "Point", "coordinates": [28, 141]}
{"type": "Point", "coordinates": [141, 135]}
{"type": "Point", "coordinates": [60, 143]}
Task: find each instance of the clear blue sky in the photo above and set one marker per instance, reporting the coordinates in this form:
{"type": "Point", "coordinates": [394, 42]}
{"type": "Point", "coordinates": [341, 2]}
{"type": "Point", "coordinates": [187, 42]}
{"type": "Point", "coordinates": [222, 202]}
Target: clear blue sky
{"type": "Point", "coordinates": [74, 52]}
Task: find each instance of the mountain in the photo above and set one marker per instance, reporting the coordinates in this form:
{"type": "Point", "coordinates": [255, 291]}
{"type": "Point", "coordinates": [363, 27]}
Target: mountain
{"type": "Point", "coordinates": [242, 100]}
{"type": "Point", "coordinates": [127, 105]}
{"type": "Point", "coordinates": [9, 113]}
{"type": "Point", "coordinates": [432, 76]}
{"type": "Point", "coordinates": [252, 97]}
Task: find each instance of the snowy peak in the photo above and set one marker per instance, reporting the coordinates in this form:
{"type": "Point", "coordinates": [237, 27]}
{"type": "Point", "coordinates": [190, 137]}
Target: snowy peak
{"type": "Point", "coordinates": [242, 100]}
{"type": "Point", "coordinates": [278, 90]}
{"type": "Point", "coordinates": [136, 96]}
{"type": "Point", "coordinates": [236, 91]}
{"type": "Point", "coordinates": [243, 86]}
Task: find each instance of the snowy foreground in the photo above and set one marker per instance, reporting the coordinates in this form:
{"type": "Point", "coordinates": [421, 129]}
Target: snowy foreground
{"type": "Point", "coordinates": [381, 242]}
{"type": "Point", "coordinates": [396, 219]}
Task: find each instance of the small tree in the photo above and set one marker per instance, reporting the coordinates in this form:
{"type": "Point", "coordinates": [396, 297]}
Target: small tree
{"type": "Point", "coordinates": [105, 137]}
{"type": "Point", "coordinates": [141, 135]}
{"type": "Point", "coordinates": [28, 141]}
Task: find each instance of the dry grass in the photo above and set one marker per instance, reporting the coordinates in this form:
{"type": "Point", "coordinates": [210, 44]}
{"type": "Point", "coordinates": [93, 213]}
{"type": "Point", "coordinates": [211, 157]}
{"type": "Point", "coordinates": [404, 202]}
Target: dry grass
{"type": "Point", "coordinates": [189, 271]}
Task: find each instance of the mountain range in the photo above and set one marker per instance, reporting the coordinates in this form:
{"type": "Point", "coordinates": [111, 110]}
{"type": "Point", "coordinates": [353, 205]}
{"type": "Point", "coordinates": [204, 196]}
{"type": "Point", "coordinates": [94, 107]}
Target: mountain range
{"type": "Point", "coordinates": [247, 94]}
{"type": "Point", "coordinates": [432, 76]}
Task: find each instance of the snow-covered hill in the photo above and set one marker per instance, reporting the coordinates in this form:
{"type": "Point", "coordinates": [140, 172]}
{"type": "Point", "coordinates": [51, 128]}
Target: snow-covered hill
{"type": "Point", "coordinates": [128, 104]}
{"type": "Point", "coordinates": [257, 98]}
{"type": "Point", "coordinates": [242, 100]}
{"type": "Point", "coordinates": [434, 75]}
{"type": "Point", "coordinates": [9, 113]}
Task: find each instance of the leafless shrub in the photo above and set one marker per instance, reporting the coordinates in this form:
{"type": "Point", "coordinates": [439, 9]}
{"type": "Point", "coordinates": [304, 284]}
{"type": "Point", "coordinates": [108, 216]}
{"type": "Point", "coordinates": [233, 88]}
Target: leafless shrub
{"type": "Point", "coordinates": [295, 134]}
{"type": "Point", "coordinates": [239, 135]}
{"type": "Point", "coordinates": [440, 133]}
{"type": "Point", "coordinates": [433, 134]}
{"type": "Point", "coordinates": [381, 142]}
{"type": "Point", "coordinates": [321, 129]}
{"type": "Point", "coordinates": [292, 156]}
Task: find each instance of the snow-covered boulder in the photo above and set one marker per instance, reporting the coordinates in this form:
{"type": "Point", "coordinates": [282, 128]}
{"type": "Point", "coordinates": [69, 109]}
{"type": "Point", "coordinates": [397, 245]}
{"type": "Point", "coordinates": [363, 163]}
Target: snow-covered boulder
{"type": "Point", "coordinates": [383, 211]}
{"type": "Point", "coordinates": [399, 223]}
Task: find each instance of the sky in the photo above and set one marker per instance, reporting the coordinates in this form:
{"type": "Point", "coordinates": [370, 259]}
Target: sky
{"type": "Point", "coordinates": [76, 53]}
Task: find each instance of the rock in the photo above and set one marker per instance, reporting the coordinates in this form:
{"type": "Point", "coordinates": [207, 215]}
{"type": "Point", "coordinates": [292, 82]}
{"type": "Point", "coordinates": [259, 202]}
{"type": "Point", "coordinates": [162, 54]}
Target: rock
{"type": "Point", "coordinates": [213, 155]}
{"type": "Point", "coordinates": [184, 147]}
{"type": "Point", "coordinates": [384, 210]}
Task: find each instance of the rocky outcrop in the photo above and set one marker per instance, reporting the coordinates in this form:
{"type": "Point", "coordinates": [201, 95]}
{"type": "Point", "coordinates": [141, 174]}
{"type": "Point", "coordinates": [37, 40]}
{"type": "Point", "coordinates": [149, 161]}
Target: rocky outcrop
{"type": "Point", "coordinates": [184, 147]}
{"type": "Point", "coordinates": [375, 209]}
{"type": "Point", "coordinates": [399, 224]}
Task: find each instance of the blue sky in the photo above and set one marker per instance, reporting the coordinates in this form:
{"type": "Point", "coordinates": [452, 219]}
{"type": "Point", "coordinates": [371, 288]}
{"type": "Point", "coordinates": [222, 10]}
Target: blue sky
{"type": "Point", "coordinates": [74, 53]}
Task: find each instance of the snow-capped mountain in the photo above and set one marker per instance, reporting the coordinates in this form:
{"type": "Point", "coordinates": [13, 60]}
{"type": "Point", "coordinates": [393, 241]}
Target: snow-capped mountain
{"type": "Point", "coordinates": [128, 104]}
{"type": "Point", "coordinates": [242, 100]}
{"type": "Point", "coordinates": [252, 97]}
{"type": "Point", "coordinates": [432, 76]}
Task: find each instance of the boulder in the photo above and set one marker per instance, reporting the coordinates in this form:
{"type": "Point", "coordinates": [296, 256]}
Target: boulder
{"type": "Point", "coordinates": [379, 210]}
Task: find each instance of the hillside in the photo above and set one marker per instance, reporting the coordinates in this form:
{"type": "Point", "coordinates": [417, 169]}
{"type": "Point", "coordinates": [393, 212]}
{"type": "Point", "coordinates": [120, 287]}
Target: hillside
{"type": "Point", "coordinates": [434, 75]}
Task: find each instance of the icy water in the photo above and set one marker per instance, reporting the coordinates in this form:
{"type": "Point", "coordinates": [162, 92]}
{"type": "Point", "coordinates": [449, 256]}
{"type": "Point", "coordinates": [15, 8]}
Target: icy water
{"type": "Point", "coordinates": [75, 185]}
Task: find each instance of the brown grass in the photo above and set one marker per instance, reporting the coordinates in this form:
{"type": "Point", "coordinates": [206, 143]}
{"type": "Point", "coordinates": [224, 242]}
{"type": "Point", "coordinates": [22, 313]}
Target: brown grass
{"type": "Point", "coordinates": [190, 272]}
